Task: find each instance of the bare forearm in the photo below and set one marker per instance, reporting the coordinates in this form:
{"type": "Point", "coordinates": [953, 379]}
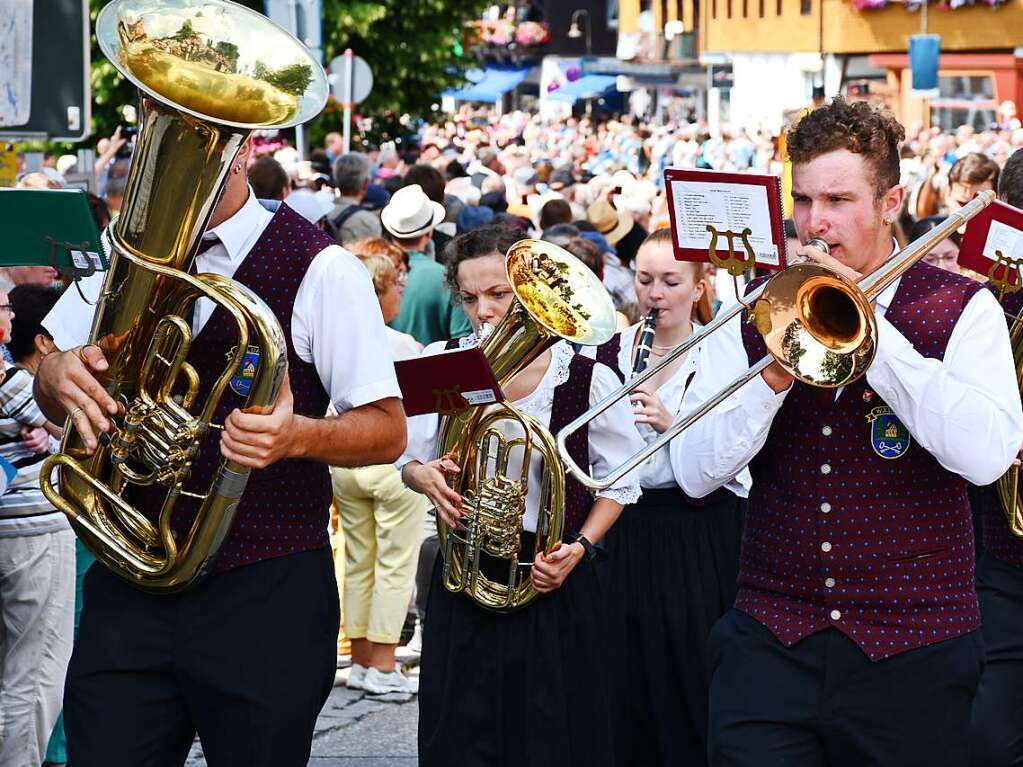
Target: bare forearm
{"type": "Point", "coordinates": [372, 434]}
{"type": "Point", "coordinates": [603, 514]}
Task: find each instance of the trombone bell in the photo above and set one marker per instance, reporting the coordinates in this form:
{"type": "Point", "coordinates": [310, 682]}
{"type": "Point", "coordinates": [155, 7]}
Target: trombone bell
{"type": "Point", "coordinates": [817, 325]}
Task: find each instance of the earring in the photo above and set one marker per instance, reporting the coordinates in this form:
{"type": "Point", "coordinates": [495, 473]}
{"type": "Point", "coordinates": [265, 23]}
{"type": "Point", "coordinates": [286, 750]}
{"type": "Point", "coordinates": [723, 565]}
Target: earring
{"type": "Point", "coordinates": [887, 221]}
{"type": "Point", "coordinates": [237, 169]}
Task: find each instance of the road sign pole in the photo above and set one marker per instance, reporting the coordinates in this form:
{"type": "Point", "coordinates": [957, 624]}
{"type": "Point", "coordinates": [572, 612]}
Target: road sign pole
{"type": "Point", "coordinates": [349, 80]}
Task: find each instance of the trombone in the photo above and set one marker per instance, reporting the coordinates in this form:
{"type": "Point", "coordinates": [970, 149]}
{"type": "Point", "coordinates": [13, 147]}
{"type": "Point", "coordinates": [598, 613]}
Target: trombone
{"type": "Point", "coordinates": [817, 324]}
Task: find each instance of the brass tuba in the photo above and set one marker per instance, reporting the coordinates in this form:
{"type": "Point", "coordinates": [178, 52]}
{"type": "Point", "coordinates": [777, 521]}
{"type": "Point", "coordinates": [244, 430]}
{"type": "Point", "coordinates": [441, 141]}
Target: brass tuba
{"type": "Point", "coordinates": [558, 297]}
{"type": "Point", "coordinates": [209, 72]}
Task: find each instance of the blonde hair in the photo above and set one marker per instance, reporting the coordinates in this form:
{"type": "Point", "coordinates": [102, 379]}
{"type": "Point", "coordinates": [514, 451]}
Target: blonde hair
{"type": "Point", "coordinates": [381, 271]}
{"type": "Point", "coordinates": [378, 246]}
{"type": "Point", "coordinates": [702, 312]}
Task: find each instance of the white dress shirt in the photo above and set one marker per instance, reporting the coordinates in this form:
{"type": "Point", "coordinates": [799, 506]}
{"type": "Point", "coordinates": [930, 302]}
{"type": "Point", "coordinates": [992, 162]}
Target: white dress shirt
{"type": "Point", "coordinates": [963, 409]}
{"type": "Point", "coordinates": [656, 471]}
{"type": "Point", "coordinates": [612, 436]}
{"type": "Point", "coordinates": [335, 324]}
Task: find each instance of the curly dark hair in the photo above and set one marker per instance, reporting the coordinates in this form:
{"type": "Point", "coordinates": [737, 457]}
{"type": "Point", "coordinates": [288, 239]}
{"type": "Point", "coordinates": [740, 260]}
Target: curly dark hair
{"type": "Point", "coordinates": [1010, 185]}
{"type": "Point", "coordinates": [485, 241]}
{"type": "Point", "coordinates": [860, 128]}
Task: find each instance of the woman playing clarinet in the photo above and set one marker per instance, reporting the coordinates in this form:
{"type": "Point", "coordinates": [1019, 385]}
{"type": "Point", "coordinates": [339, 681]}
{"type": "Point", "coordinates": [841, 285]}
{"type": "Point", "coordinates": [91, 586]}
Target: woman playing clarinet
{"type": "Point", "coordinates": [672, 561]}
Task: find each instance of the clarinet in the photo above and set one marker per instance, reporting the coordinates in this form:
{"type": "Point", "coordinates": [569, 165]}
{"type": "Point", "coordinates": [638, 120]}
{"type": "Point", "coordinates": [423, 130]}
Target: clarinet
{"type": "Point", "coordinates": [646, 340]}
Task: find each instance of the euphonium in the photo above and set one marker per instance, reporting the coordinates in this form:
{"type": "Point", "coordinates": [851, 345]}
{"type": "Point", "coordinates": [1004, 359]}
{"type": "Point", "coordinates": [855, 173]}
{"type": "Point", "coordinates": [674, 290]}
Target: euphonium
{"type": "Point", "coordinates": [1008, 483]}
{"type": "Point", "coordinates": [209, 72]}
{"type": "Point", "coordinates": [557, 298]}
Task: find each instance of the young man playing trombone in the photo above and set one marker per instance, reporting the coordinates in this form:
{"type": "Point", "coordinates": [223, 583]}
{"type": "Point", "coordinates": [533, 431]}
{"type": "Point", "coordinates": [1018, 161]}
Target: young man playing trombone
{"type": "Point", "coordinates": [854, 639]}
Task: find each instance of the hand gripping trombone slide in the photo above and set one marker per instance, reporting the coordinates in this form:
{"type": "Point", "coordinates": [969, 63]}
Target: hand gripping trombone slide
{"type": "Point", "coordinates": [817, 324]}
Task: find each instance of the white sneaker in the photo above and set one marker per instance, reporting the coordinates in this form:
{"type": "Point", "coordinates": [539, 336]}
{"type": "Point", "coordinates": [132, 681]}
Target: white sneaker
{"type": "Point", "coordinates": [379, 683]}
{"type": "Point", "coordinates": [356, 677]}
{"type": "Point", "coordinates": [415, 644]}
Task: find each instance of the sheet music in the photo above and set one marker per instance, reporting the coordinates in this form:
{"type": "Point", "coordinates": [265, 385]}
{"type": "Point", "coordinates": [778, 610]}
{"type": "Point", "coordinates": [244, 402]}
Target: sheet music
{"type": "Point", "coordinates": [731, 207]}
{"type": "Point", "coordinates": [15, 63]}
{"type": "Point", "coordinates": [1004, 238]}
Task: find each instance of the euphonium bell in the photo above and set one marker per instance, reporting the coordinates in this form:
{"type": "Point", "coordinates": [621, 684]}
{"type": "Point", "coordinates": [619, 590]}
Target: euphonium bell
{"type": "Point", "coordinates": [209, 72]}
{"type": "Point", "coordinates": [558, 297]}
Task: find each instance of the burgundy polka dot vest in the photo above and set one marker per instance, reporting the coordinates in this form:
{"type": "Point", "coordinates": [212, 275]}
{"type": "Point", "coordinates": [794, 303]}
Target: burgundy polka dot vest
{"type": "Point", "coordinates": [880, 548]}
{"type": "Point", "coordinates": [284, 509]}
{"type": "Point", "coordinates": [571, 400]}
{"type": "Point", "coordinates": [998, 539]}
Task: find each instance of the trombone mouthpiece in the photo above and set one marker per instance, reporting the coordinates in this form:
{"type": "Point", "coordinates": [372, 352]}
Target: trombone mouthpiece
{"type": "Point", "coordinates": [820, 245]}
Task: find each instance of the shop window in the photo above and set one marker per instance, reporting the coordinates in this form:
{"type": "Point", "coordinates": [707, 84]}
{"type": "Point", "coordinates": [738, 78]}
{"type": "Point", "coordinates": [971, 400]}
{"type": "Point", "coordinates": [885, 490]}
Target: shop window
{"type": "Point", "coordinates": [964, 100]}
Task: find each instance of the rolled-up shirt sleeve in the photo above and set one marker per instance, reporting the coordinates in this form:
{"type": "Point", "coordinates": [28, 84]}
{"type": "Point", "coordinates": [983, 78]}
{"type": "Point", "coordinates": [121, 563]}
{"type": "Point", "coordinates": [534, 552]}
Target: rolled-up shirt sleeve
{"type": "Point", "coordinates": [716, 448]}
{"type": "Point", "coordinates": [963, 409]}
{"type": "Point", "coordinates": [423, 430]}
{"type": "Point", "coordinates": [337, 326]}
{"type": "Point", "coordinates": [613, 438]}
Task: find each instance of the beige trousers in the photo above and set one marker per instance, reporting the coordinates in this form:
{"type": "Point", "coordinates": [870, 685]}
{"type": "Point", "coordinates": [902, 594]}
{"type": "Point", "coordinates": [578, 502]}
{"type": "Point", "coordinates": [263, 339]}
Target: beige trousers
{"type": "Point", "coordinates": [382, 522]}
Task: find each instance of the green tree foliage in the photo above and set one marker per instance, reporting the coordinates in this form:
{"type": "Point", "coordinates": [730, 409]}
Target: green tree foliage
{"type": "Point", "coordinates": [412, 46]}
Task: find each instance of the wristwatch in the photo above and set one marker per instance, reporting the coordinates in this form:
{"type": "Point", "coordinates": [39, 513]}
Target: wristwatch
{"type": "Point", "coordinates": [591, 550]}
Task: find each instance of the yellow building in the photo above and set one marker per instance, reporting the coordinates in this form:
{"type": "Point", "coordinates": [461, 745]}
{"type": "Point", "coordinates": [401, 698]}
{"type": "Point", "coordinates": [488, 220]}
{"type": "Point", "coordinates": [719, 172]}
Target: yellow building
{"type": "Point", "coordinates": [781, 49]}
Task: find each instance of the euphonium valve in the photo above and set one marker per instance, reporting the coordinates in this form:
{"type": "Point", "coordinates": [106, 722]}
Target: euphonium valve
{"type": "Point", "coordinates": [209, 72]}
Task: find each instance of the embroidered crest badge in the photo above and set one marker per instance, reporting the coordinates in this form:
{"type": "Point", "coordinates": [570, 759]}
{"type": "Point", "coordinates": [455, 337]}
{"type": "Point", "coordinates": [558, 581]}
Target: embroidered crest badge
{"type": "Point", "coordinates": [241, 381]}
{"type": "Point", "coordinates": [888, 435]}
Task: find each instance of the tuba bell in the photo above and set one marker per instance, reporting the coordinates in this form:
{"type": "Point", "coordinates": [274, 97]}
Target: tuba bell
{"type": "Point", "coordinates": [488, 557]}
{"type": "Point", "coordinates": [209, 72]}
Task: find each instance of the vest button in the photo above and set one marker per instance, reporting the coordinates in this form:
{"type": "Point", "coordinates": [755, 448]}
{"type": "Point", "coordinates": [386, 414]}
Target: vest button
{"type": "Point", "coordinates": [835, 615]}
{"type": "Point", "coordinates": [829, 582]}
{"type": "Point", "coordinates": [826, 431]}
{"type": "Point", "coordinates": [825, 547]}
{"type": "Point", "coordinates": [826, 468]}
{"type": "Point", "coordinates": [825, 507]}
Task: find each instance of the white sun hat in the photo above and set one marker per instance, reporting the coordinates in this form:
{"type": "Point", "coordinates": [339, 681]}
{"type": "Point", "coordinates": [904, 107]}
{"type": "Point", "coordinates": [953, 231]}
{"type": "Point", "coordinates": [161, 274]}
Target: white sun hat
{"type": "Point", "coordinates": [410, 213]}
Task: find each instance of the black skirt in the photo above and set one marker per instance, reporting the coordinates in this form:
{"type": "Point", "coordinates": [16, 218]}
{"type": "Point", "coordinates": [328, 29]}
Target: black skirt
{"type": "Point", "coordinates": [669, 575]}
{"type": "Point", "coordinates": [522, 689]}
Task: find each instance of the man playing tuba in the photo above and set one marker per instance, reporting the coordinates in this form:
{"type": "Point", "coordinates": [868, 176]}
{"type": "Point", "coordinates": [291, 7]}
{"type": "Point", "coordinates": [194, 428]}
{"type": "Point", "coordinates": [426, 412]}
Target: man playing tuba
{"type": "Point", "coordinates": [247, 657]}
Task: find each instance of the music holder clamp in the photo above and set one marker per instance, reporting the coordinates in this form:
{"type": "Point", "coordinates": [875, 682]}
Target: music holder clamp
{"type": "Point", "coordinates": [449, 402]}
{"type": "Point", "coordinates": [736, 264]}
{"type": "Point", "coordinates": [1008, 270]}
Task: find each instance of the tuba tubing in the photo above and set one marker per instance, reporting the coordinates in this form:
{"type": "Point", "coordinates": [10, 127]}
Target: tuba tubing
{"type": "Point", "coordinates": [209, 72]}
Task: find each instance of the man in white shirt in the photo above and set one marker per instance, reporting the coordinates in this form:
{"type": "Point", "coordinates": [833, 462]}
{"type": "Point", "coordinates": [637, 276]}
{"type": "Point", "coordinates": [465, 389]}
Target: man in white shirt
{"type": "Point", "coordinates": [247, 657]}
{"type": "Point", "coordinates": [854, 639]}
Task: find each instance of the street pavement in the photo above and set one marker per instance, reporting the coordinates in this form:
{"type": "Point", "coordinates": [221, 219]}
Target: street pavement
{"type": "Point", "coordinates": [358, 730]}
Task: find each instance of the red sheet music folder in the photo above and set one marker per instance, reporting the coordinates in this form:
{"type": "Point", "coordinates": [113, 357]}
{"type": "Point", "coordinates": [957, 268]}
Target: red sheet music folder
{"type": "Point", "coordinates": [447, 382]}
{"type": "Point", "coordinates": [729, 202]}
{"type": "Point", "coordinates": [996, 229]}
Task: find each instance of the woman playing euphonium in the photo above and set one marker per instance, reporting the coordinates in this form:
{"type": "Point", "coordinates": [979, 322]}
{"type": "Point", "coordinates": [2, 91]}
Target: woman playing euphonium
{"type": "Point", "coordinates": [527, 687]}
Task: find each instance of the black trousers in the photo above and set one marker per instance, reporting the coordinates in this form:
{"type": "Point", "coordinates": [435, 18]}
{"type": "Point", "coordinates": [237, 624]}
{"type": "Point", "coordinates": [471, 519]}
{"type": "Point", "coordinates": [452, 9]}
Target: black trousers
{"type": "Point", "coordinates": [996, 731]}
{"type": "Point", "coordinates": [246, 659]}
{"type": "Point", "coordinates": [823, 702]}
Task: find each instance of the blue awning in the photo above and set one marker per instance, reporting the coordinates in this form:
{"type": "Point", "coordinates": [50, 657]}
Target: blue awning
{"type": "Point", "coordinates": [487, 84]}
{"type": "Point", "coordinates": [586, 87]}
